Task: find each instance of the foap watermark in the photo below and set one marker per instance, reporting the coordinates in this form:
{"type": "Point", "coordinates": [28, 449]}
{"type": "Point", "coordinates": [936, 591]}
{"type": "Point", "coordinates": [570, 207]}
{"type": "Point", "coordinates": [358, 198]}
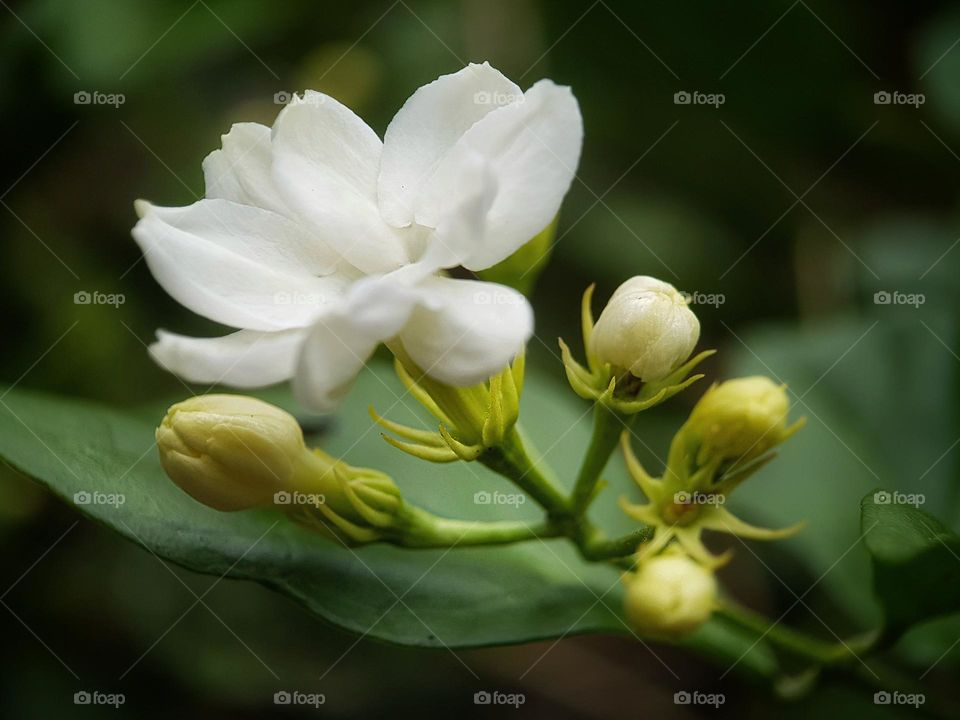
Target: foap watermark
{"type": "Point", "coordinates": [487, 97]}
{"type": "Point", "coordinates": [95, 697]}
{"type": "Point", "coordinates": [485, 497]}
{"type": "Point", "coordinates": [882, 697]}
{"type": "Point", "coordinates": [895, 97]}
{"type": "Point", "coordinates": [95, 297]}
{"type": "Point", "coordinates": [885, 497]}
{"type": "Point", "coordinates": [486, 697]}
{"type": "Point", "coordinates": [282, 497]}
{"type": "Point", "coordinates": [296, 697]}
{"type": "Point", "coordinates": [95, 97]}
{"type": "Point", "coordinates": [286, 97]}
{"type": "Point", "coordinates": [299, 298]}
{"type": "Point", "coordinates": [895, 297]}
{"type": "Point", "coordinates": [695, 97]}
{"type": "Point", "coordinates": [698, 498]}
{"type": "Point", "coordinates": [96, 497]}
{"type": "Point", "coordinates": [700, 298]}
{"type": "Point", "coordinates": [496, 297]}
{"type": "Point", "coordinates": [685, 697]}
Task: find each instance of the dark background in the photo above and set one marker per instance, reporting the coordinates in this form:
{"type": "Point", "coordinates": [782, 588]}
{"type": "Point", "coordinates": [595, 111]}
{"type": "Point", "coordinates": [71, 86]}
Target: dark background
{"type": "Point", "coordinates": [796, 200]}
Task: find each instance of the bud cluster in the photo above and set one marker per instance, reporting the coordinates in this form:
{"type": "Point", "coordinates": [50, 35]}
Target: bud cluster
{"type": "Point", "coordinates": [731, 432]}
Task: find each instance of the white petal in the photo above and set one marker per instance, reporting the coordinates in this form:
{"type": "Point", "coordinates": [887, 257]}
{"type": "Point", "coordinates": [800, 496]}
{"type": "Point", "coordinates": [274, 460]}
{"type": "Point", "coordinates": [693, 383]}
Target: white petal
{"type": "Point", "coordinates": [461, 235]}
{"type": "Point", "coordinates": [533, 148]}
{"type": "Point", "coordinates": [240, 171]}
{"type": "Point", "coordinates": [343, 339]}
{"type": "Point", "coordinates": [236, 264]}
{"type": "Point", "coordinates": [244, 359]}
{"type": "Point", "coordinates": [431, 122]}
{"type": "Point", "coordinates": [465, 331]}
{"type": "Point", "coordinates": [325, 164]}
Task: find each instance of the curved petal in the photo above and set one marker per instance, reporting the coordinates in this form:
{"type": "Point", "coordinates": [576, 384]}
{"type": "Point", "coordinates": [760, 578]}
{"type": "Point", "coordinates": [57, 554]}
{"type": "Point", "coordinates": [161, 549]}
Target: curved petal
{"type": "Point", "coordinates": [343, 339]}
{"type": "Point", "coordinates": [240, 170]}
{"type": "Point", "coordinates": [325, 164]}
{"type": "Point", "coordinates": [236, 264]}
{"type": "Point", "coordinates": [465, 331]}
{"type": "Point", "coordinates": [461, 235]}
{"type": "Point", "coordinates": [428, 125]}
{"type": "Point", "coordinates": [533, 147]}
{"type": "Point", "coordinates": [244, 359]}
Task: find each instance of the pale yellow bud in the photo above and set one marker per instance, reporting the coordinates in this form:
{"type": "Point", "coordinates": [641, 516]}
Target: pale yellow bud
{"type": "Point", "coordinates": [740, 419]}
{"type": "Point", "coordinates": [646, 329]}
{"type": "Point", "coordinates": [670, 595]}
{"type": "Point", "coordinates": [233, 452]}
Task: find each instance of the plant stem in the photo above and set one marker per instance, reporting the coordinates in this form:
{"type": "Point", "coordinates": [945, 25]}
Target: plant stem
{"type": "Point", "coordinates": [607, 427]}
{"type": "Point", "coordinates": [601, 548]}
{"type": "Point", "coordinates": [425, 530]}
{"type": "Point", "coordinates": [564, 518]}
{"type": "Point", "coordinates": [796, 643]}
{"type": "Point", "coordinates": [512, 461]}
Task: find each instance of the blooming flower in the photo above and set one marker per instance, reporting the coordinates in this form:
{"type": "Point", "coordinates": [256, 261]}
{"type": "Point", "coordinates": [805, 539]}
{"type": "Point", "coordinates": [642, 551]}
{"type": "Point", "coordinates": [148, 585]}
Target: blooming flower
{"type": "Point", "coordinates": [319, 242]}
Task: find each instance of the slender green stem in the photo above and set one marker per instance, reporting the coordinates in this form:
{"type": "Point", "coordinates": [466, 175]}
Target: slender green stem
{"type": "Point", "coordinates": [512, 461]}
{"type": "Point", "coordinates": [601, 548]}
{"type": "Point", "coordinates": [607, 427]}
{"type": "Point", "coordinates": [425, 530]}
{"type": "Point", "coordinates": [796, 643]}
{"type": "Point", "coordinates": [842, 658]}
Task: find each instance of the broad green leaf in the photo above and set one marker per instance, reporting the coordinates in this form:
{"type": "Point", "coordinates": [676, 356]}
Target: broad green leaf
{"type": "Point", "coordinates": [916, 560]}
{"type": "Point", "coordinates": [456, 598]}
{"type": "Point", "coordinates": [876, 389]}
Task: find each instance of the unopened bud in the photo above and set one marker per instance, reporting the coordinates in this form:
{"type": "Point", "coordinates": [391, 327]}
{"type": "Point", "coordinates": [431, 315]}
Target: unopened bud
{"type": "Point", "coordinates": [646, 329]}
{"type": "Point", "coordinates": [232, 452]}
{"type": "Point", "coordinates": [670, 595]}
{"type": "Point", "coordinates": [740, 419]}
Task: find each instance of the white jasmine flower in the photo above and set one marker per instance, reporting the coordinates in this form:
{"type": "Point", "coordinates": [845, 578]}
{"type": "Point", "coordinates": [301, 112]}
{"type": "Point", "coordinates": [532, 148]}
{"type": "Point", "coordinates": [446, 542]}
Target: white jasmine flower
{"type": "Point", "coordinates": [319, 242]}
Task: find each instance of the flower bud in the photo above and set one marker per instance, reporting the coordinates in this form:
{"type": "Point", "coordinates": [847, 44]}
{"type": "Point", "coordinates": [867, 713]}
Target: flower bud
{"type": "Point", "coordinates": [739, 420]}
{"type": "Point", "coordinates": [232, 452]}
{"type": "Point", "coordinates": [646, 329]}
{"type": "Point", "coordinates": [670, 595]}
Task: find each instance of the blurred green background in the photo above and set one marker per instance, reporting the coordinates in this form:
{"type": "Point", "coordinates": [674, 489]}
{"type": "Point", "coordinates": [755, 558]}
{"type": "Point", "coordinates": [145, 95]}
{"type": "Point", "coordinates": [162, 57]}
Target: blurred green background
{"type": "Point", "coordinates": [794, 202]}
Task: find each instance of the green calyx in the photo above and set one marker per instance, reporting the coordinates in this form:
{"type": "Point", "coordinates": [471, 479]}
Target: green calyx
{"type": "Point", "coordinates": [472, 420]}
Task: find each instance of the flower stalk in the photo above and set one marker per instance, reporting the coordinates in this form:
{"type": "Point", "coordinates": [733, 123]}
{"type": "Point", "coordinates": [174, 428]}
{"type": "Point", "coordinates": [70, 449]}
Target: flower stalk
{"type": "Point", "coordinates": [607, 428]}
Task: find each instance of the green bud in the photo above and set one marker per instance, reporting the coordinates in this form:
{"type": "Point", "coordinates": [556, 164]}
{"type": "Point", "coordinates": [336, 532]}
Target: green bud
{"type": "Point", "coordinates": [670, 595]}
{"type": "Point", "coordinates": [739, 420]}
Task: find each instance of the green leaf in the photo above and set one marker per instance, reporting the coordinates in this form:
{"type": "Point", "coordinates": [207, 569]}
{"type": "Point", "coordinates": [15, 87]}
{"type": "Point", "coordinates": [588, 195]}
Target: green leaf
{"type": "Point", "coordinates": [462, 597]}
{"type": "Point", "coordinates": [916, 560]}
